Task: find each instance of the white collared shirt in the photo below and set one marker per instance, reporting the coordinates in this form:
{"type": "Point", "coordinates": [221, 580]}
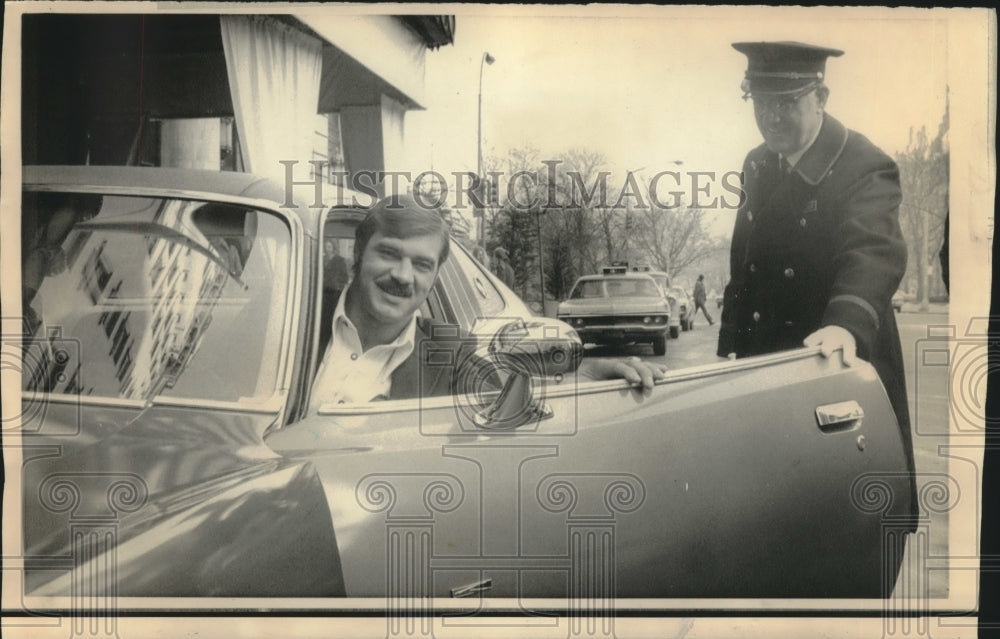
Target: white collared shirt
{"type": "Point", "coordinates": [351, 374]}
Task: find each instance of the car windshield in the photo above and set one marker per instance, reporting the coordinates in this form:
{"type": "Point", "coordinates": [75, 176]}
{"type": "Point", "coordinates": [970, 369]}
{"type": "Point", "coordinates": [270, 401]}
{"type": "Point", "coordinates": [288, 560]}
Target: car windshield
{"type": "Point", "coordinates": [135, 297]}
{"type": "Point", "coordinates": [615, 287]}
{"type": "Point", "coordinates": [631, 288]}
{"type": "Point", "coordinates": [587, 289]}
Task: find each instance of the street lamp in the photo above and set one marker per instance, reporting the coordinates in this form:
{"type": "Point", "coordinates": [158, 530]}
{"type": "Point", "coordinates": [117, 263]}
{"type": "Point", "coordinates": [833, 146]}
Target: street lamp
{"type": "Point", "coordinates": [487, 59]}
{"type": "Point", "coordinates": [628, 216]}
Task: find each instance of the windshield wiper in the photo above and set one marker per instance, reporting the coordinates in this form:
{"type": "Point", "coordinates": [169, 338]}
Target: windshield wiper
{"type": "Point", "coordinates": [159, 230]}
{"type": "Point", "coordinates": [166, 378]}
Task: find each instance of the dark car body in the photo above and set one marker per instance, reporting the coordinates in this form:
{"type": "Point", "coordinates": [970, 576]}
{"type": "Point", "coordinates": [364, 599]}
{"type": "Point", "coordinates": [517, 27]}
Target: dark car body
{"type": "Point", "coordinates": [194, 466]}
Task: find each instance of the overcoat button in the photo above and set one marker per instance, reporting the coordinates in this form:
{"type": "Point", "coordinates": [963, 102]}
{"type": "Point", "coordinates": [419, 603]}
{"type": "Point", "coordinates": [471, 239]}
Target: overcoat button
{"type": "Point", "coordinates": [789, 273]}
{"type": "Point", "coordinates": [354, 356]}
{"type": "Point", "coordinates": [756, 316]}
{"type": "Point", "coordinates": [803, 222]}
{"type": "Point", "coordinates": [750, 216]}
{"type": "Point", "coordinates": [753, 268]}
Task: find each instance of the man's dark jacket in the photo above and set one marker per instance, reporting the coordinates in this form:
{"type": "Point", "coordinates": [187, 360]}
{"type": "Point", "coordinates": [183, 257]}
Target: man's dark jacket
{"type": "Point", "coordinates": [816, 246]}
{"type": "Point", "coordinates": [699, 292]}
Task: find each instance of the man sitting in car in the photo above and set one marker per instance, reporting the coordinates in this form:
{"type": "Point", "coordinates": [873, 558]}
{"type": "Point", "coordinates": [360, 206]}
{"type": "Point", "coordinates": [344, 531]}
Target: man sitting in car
{"type": "Point", "coordinates": [376, 329]}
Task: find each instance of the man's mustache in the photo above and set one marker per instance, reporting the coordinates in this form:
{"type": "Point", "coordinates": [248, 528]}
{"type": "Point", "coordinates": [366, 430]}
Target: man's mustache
{"type": "Point", "coordinates": [393, 287]}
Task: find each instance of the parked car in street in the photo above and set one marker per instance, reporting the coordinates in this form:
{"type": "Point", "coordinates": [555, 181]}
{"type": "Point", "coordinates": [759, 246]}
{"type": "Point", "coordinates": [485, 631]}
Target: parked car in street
{"type": "Point", "coordinates": [169, 449]}
{"type": "Point", "coordinates": [618, 306]}
{"type": "Point", "coordinates": [897, 301]}
{"type": "Point", "coordinates": [683, 305]}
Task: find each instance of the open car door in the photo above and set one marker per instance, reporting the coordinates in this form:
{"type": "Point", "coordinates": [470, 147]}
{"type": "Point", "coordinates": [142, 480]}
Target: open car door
{"type": "Point", "coordinates": [778, 476]}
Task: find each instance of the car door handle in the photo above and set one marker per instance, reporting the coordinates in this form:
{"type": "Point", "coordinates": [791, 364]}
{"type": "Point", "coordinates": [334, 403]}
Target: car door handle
{"type": "Point", "coordinates": [839, 417]}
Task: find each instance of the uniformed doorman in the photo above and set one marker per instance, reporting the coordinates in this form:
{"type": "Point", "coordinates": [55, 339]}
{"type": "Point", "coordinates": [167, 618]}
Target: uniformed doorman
{"type": "Point", "coordinates": [817, 251]}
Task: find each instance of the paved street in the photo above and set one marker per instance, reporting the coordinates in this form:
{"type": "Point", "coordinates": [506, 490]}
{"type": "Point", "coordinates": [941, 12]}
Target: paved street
{"type": "Point", "coordinates": [691, 348]}
{"type": "Point", "coordinates": [927, 388]}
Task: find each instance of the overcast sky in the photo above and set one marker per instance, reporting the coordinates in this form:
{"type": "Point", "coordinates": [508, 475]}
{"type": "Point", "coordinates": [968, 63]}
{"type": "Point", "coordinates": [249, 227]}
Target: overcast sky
{"type": "Point", "coordinates": [650, 86]}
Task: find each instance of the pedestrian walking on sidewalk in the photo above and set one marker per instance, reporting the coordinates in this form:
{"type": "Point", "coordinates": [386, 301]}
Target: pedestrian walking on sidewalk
{"type": "Point", "coordinates": [699, 300]}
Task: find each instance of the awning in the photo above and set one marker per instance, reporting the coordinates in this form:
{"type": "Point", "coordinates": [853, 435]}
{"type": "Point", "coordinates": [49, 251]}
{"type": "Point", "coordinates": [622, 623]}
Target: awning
{"type": "Point", "coordinates": [386, 53]}
{"type": "Point", "coordinates": [436, 31]}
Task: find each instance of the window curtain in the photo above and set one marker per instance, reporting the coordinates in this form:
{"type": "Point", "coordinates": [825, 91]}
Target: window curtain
{"type": "Point", "coordinates": [274, 74]}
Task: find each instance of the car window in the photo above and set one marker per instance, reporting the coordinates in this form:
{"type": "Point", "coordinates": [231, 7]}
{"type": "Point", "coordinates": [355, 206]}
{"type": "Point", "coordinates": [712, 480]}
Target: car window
{"type": "Point", "coordinates": [134, 297]}
{"type": "Point", "coordinates": [469, 292]}
{"type": "Point", "coordinates": [588, 289]}
{"type": "Point", "coordinates": [338, 254]}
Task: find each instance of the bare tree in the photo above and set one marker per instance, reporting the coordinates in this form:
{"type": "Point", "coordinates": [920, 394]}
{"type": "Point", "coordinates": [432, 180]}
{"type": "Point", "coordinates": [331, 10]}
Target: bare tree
{"type": "Point", "coordinates": [584, 182]}
{"type": "Point", "coordinates": [512, 222]}
{"type": "Point", "coordinates": [672, 238]}
{"type": "Point", "coordinates": [574, 184]}
{"type": "Point", "coordinates": [923, 174]}
{"type": "Point", "coordinates": [559, 218]}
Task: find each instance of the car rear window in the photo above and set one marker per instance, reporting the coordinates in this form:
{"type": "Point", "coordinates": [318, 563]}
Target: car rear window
{"type": "Point", "coordinates": [134, 297]}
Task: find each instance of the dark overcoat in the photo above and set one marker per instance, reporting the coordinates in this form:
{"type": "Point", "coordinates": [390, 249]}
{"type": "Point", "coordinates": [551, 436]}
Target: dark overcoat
{"type": "Point", "coordinates": [819, 245]}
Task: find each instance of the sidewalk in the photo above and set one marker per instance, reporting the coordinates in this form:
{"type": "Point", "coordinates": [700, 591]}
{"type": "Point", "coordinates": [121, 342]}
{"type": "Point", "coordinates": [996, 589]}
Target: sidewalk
{"type": "Point", "coordinates": [933, 307]}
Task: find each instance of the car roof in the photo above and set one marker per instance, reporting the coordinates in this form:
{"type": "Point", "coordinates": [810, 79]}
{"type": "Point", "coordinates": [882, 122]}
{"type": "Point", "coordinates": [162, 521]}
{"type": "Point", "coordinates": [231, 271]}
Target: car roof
{"type": "Point", "coordinates": [194, 182]}
{"type": "Point", "coordinates": [629, 275]}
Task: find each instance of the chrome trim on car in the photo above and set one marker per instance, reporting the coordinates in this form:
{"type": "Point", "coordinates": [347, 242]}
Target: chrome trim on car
{"type": "Point", "coordinates": [290, 335]}
{"type": "Point", "coordinates": [582, 387]}
{"type": "Point", "coordinates": [587, 387]}
{"type": "Point", "coordinates": [89, 400]}
{"type": "Point", "coordinates": [155, 191]}
{"type": "Point", "coordinates": [265, 406]}
{"type": "Point", "coordinates": [395, 405]}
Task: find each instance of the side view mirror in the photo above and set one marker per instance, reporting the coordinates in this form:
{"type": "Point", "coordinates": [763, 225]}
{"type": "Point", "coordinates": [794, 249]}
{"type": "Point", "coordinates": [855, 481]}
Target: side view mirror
{"type": "Point", "coordinates": [528, 351]}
